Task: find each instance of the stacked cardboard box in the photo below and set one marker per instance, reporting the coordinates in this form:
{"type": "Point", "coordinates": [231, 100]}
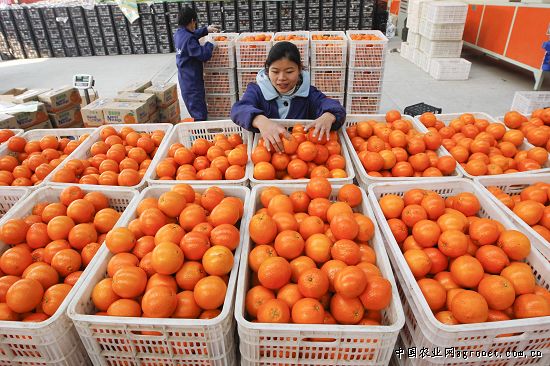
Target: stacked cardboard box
{"type": "Point", "coordinates": [93, 114]}
{"type": "Point", "coordinates": [63, 106]}
{"type": "Point", "coordinates": [167, 101]}
{"type": "Point", "coordinates": [19, 108]}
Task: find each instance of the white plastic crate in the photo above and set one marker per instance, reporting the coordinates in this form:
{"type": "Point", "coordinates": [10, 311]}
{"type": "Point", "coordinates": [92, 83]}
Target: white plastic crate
{"type": "Point", "coordinates": [245, 77]}
{"type": "Point", "coordinates": [252, 54]}
{"type": "Point", "coordinates": [405, 50]}
{"type": "Point", "coordinates": [220, 81]}
{"type": "Point", "coordinates": [219, 105]}
{"type": "Point", "coordinates": [514, 185]}
{"type": "Point", "coordinates": [337, 96]}
{"type": "Point", "coordinates": [414, 8]}
{"type": "Point", "coordinates": [302, 44]}
{"type": "Point", "coordinates": [413, 23]}
{"type": "Point", "coordinates": [294, 344]}
{"type": "Point", "coordinates": [526, 102]}
{"type": "Point", "coordinates": [9, 196]}
{"type": "Point", "coordinates": [362, 177]}
{"type": "Point", "coordinates": [441, 32]}
{"type": "Point", "coordinates": [53, 341]}
{"type": "Point", "coordinates": [365, 80]}
{"type": "Point", "coordinates": [16, 131]}
{"type": "Point", "coordinates": [445, 12]}
{"type": "Point", "coordinates": [186, 134]}
{"type": "Point", "coordinates": [367, 53]}
{"type": "Point", "coordinates": [363, 103]}
{"type": "Point", "coordinates": [447, 118]}
{"type": "Point", "coordinates": [450, 68]}
{"type": "Point", "coordinates": [421, 60]}
{"type": "Point", "coordinates": [426, 330]}
{"type": "Point", "coordinates": [441, 48]}
{"type": "Point", "coordinates": [279, 182]}
{"type": "Point", "coordinates": [329, 80]}
{"type": "Point", "coordinates": [83, 151]}
{"type": "Point", "coordinates": [223, 55]}
{"type": "Point", "coordinates": [328, 52]}
{"type": "Point", "coordinates": [118, 340]}
{"type": "Point", "coordinates": [413, 39]}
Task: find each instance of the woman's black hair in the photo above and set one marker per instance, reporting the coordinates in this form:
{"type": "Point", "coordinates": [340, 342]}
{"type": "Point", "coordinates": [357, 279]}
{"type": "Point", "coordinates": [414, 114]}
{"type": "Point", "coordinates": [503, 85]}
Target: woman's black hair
{"type": "Point", "coordinates": [283, 50]}
{"type": "Point", "coordinates": [186, 16]}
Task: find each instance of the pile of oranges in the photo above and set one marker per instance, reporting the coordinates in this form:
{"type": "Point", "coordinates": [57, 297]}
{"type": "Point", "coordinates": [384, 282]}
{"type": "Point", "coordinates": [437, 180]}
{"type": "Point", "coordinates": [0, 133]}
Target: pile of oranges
{"type": "Point", "coordinates": [5, 135]}
{"type": "Point", "coordinates": [536, 129]}
{"type": "Point", "coordinates": [174, 259]}
{"type": "Point", "coordinates": [311, 260]}
{"type": "Point", "coordinates": [469, 269]}
{"type": "Point", "coordinates": [49, 250]}
{"type": "Point", "coordinates": [256, 38]}
{"type": "Point", "coordinates": [117, 159]}
{"type": "Point", "coordinates": [485, 148]}
{"type": "Point", "coordinates": [365, 37]}
{"type": "Point", "coordinates": [326, 37]}
{"type": "Point", "coordinates": [220, 38]}
{"type": "Point", "coordinates": [396, 149]}
{"type": "Point", "coordinates": [304, 156]}
{"type": "Point", "coordinates": [291, 37]}
{"type": "Point", "coordinates": [224, 158]}
{"type": "Point", "coordinates": [531, 205]}
{"type": "Point", "coordinates": [30, 162]}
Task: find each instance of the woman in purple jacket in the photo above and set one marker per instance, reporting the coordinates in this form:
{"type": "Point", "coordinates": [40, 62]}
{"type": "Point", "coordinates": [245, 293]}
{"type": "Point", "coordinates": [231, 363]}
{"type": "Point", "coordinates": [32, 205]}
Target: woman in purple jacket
{"type": "Point", "coordinates": [283, 91]}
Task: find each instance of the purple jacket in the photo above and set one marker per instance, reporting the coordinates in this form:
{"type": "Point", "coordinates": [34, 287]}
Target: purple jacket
{"type": "Point", "coordinates": [313, 106]}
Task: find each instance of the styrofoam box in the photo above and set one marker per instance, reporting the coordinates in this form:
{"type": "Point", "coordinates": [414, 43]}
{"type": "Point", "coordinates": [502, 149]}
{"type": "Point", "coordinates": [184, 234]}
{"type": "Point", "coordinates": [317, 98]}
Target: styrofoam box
{"type": "Point", "coordinates": [219, 105]}
{"type": "Point", "coordinates": [252, 54]}
{"type": "Point", "coordinates": [83, 151]}
{"type": "Point", "coordinates": [450, 68]}
{"type": "Point", "coordinates": [367, 53]}
{"type": "Point", "coordinates": [366, 80]}
{"type": "Point", "coordinates": [328, 79]}
{"type": "Point", "coordinates": [440, 48]}
{"type": "Point", "coordinates": [329, 53]}
{"type": "Point", "coordinates": [363, 103]}
{"type": "Point", "coordinates": [70, 133]}
{"type": "Point", "coordinates": [16, 132]}
{"type": "Point", "coordinates": [441, 32]}
{"type": "Point", "coordinates": [302, 44]}
{"type": "Point", "coordinates": [445, 12]}
{"type": "Point", "coordinates": [447, 118]}
{"type": "Point", "coordinates": [53, 341]}
{"type": "Point", "coordinates": [223, 55]}
{"type": "Point", "coordinates": [119, 340]}
{"type": "Point", "coordinates": [220, 81]}
{"type": "Point", "coordinates": [295, 344]}
{"type": "Point", "coordinates": [289, 124]}
{"type": "Point", "coordinates": [362, 176]}
{"type": "Point", "coordinates": [186, 134]}
{"type": "Point", "coordinates": [526, 102]}
{"type": "Point", "coordinates": [514, 185]}
{"type": "Point", "coordinates": [426, 330]}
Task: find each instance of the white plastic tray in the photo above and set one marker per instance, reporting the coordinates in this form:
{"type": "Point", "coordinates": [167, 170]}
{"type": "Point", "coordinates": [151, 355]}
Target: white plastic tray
{"type": "Point", "coordinates": [427, 331]}
{"type": "Point", "coordinates": [10, 196]}
{"type": "Point", "coordinates": [270, 344]}
{"type": "Point", "coordinates": [116, 340]}
{"type": "Point", "coordinates": [363, 178]}
{"type": "Point", "coordinates": [50, 341]}
{"type": "Point", "coordinates": [526, 102]}
{"type": "Point", "coordinates": [289, 124]}
{"type": "Point", "coordinates": [186, 133]}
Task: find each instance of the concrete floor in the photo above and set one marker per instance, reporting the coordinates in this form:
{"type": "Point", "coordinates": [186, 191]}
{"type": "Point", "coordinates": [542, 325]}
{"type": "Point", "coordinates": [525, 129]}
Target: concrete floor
{"type": "Point", "coordinates": [490, 89]}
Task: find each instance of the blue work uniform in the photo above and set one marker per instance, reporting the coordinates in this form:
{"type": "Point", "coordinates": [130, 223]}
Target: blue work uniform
{"type": "Point", "coordinates": [189, 58]}
{"type": "Point", "coordinates": [306, 102]}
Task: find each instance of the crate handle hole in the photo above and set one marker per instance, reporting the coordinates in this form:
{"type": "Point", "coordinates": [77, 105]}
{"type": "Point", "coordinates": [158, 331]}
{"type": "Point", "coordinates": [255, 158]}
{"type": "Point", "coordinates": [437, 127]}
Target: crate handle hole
{"type": "Point", "coordinates": [148, 333]}
{"type": "Point", "coordinates": [509, 337]}
{"type": "Point", "coordinates": [215, 130]}
{"type": "Point", "coordinates": [319, 340]}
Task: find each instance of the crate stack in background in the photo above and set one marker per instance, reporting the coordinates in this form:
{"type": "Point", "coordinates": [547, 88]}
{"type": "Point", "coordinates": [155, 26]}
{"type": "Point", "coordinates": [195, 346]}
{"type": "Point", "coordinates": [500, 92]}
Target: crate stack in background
{"type": "Point", "coordinates": [434, 40]}
{"type": "Point", "coordinates": [367, 58]}
{"type": "Point", "coordinates": [53, 31]}
{"type": "Point", "coordinates": [15, 46]}
{"type": "Point", "coordinates": [148, 28]}
{"type": "Point", "coordinates": [80, 28]}
{"type": "Point", "coordinates": [220, 81]}
{"type": "Point", "coordinates": [121, 30]}
{"type": "Point", "coordinates": [162, 28]}
{"type": "Point", "coordinates": [172, 11]}
{"type": "Point", "coordinates": [328, 62]}
{"type": "Point", "coordinates": [26, 35]}
{"type": "Point", "coordinates": [67, 33]}
{"type": "Point", "coordinates": [229, 10]}
{"type": "Point", "coordinates": [108, 29]}
{"type": "Point", "coordinates": [95, 32]}
{"type": "Point", "coordinates": [251, 53]}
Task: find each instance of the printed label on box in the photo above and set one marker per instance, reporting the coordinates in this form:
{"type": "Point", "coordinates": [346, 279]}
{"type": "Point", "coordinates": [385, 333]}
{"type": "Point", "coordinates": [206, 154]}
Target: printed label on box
{"type": "Point", "coordinates": [171, 113]}
{"type": "Point", "coordinates": [92, 114]}
{"type": "Point", "coordinates": [26, 114]}
{"type": "Point", "coordinates": [125, 112]}
{"type": "Point", "coordinates": [67, 118]}
{"type": "Point", "coordinates": [60, 99]}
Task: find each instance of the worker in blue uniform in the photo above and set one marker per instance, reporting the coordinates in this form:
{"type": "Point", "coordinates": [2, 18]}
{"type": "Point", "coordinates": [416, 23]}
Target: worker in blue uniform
{"type": "Point", "coordinates": [283, 91]}
{"type": "Point", "coordinates": [190, 56]}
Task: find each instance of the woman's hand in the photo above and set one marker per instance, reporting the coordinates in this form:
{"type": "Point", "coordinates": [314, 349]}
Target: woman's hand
{"type": "Point", "coordinates": [322, 125]}
{"type": "Point", "coordinates": [270, 132]}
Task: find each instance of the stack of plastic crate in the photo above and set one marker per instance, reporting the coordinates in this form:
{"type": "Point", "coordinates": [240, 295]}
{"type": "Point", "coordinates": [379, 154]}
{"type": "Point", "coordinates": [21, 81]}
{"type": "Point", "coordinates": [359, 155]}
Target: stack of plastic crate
{"type": "Point", "coordinates": [328, 63]}
{"type": "Point", "coordinates": [525, 102]}
{"type": "Point", "coordinates": [367, 55]}
{"type": "Point", "coordinates": [252, 50]}
{"type": "Point", "coordinates": [413, 24]}
{"type": "Point", "coordinates": [219, 76]}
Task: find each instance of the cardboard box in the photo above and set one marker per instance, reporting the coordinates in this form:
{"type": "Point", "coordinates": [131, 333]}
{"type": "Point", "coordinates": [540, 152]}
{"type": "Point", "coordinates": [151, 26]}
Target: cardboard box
{"type": "Point", "coordinates": [137, 87]}
{"type": "Point", "coordinates": [59, 99]}
{"type": "Point", "coordinates": [26, 114]}
{"type": "Point", "coordinates": [40, 126]}
{"type": "Point", "coordinates": [149, 100]}
{"type": "Point", "coordinates": [66, 118]}
{"type": "Point", "coordinates": [171, 113]}
{"type": "Point", "coordinates": [155, 117]}
{"type": "Point", "coordinates": [8, 95]}
{"type": "Point", "coordinates": [125, 112]}
{"type": "Point", "coordinates": [8, 121]}
{"type": "Point", "coordinates": [92, 114]}
{"type": "Point", "coordinates": [167, 93]}
{"type": "Point", "coordinates": [30, 95]}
